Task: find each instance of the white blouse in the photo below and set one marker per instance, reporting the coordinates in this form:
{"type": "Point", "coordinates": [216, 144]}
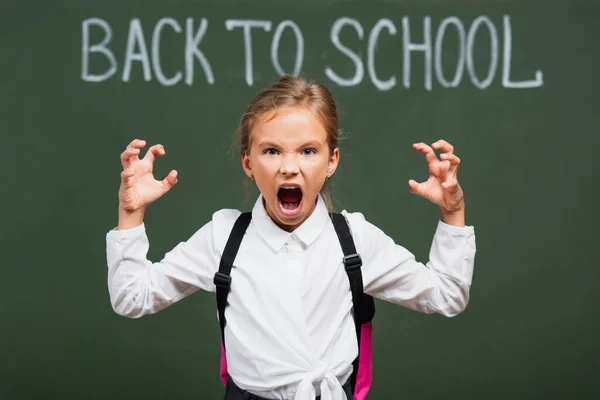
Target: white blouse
{"type": "Point", "coordinates": [290, 332]}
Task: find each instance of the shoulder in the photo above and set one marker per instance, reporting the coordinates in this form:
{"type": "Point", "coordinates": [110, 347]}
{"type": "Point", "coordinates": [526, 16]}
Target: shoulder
{"type": "Point", "coordinates": [353, 217]}
{"type": "Point", "coordinates": [222, 223]}
{"type": "Point", "coordinates": [367, 236]}
{"type": "Point", "coordinates": [355, 221]}
{"type": "Point", "coordinates": [356, 224]}
{"type": "Point", "coordinates": [226, 216]}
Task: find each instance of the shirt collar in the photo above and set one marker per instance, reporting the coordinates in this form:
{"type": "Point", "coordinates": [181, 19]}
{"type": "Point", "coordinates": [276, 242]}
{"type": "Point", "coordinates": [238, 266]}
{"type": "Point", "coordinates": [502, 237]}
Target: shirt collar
{"type": "Point", "coordinates": [277, 237]}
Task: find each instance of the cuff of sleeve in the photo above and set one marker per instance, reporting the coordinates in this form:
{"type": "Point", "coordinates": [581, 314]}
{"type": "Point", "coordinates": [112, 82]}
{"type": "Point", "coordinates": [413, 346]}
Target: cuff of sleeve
{"type": "Point", "coordinates": [456, 230]}
{"type": "Point", "coordinates": [453, 251]}
{"type": "Point", "coordinates": [118, 235]}
{"type": "Point", "coordinates": [117, 240]}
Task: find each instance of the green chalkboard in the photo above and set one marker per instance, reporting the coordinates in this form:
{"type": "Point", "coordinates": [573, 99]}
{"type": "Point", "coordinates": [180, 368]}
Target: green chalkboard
{"type": "Point", "coordinates": [512, 84]}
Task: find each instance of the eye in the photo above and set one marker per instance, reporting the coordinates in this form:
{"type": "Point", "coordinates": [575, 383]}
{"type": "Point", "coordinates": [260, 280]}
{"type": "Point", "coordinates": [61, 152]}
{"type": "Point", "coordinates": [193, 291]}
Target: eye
{"type": "Point", "coordinates": [271, 152]}
{"type": "Point", "coordinates": [309, 152]}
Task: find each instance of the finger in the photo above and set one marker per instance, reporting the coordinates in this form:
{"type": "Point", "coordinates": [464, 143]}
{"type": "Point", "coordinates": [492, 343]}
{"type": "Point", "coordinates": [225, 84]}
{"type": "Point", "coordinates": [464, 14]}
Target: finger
{"type": "Point", "coordinates": [427, 151]}
{"type": "Point", "coordinates": [155, 151]}
{"type": "Point", "coordinates": [128, 172]}
{"type": "Point", "coordinates": [130, 154]}
{"type": "Point", "coordinates": [444, 170]}
{"type": "Point", "coordinates": [416, 188]}
{"type": "Point", "coordinates": [413, 186]}
{"type": "Point", "coordinates": [170, 181]}
{"type": "Point", "coordinates": [453, 160]}
{"type": "Point", "coordinates": [443, 145]}
{"type": "Point", "coordinates": [451, 183]}
{"type": "Point", "coordinates": [440, 170]}
{"type": "Point", "coordinates": [127, 177]}
{"type": "Point", "coordinates": [137, 143]}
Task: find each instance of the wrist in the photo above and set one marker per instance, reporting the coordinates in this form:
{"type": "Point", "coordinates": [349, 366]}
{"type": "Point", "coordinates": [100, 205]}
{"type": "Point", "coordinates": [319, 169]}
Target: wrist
{"type": "Point", "coordinates": [130, 218]}
{"type": "Point", "coordinates": [455, 216]}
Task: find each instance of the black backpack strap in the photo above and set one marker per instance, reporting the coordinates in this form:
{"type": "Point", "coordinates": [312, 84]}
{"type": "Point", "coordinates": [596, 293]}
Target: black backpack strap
{"type": "Point", "coordinates": [364, 308]}
{"type": "Point", "coordinates": [363, 304]}
{"type": "Point", "coordinates": [222, 278]}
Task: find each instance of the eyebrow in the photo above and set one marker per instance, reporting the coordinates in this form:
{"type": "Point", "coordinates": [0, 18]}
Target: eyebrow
{"type": "Point", "coordinates": [311, 143]}
{"type": "Point", "coordinates": [267, 144]}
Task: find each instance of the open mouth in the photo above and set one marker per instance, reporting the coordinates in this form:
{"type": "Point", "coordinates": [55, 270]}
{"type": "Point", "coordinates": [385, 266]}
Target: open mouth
{"type": "Point", "coordinates": [290, 198]}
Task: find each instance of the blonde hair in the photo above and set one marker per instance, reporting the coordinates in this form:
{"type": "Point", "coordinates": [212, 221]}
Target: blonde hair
{"type": "Point", "coordinates": [292, 91]}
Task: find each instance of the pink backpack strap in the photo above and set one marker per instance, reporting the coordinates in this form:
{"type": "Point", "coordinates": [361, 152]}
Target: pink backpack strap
{"type": "Point", "coordinates": [365, 364]}
{"type": "Point", "coordinates": [223, 367]}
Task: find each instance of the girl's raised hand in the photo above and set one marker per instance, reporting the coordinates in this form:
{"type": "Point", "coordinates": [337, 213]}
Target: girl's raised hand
{"type": "Point", "coordinates": [442, 187]}
{"type": "Point", "coordinates": [139, 188]}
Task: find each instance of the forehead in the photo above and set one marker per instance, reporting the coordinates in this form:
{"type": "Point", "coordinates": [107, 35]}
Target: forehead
{"type": "Point", "coordinates": [289, 125]}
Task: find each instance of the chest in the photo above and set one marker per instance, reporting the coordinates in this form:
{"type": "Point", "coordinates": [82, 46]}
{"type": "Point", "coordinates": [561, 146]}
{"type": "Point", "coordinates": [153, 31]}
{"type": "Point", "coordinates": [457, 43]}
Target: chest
{"type": "Point", "coordinates": [298, 280]}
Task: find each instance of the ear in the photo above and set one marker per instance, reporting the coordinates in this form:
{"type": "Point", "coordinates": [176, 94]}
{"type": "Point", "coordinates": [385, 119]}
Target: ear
{"type": "Point", "coordinates": [246, 165]}
{"type": "Point", "coordinates": [334, 159]}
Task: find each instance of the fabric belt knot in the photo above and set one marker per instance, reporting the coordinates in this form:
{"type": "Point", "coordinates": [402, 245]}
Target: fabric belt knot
{"type": "Point", "coordinates": [330, 386]}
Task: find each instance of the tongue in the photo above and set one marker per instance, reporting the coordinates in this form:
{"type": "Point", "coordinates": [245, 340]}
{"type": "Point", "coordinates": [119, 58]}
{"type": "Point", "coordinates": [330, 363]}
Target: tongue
{"type": "Point", "coordinates": [290, 196]}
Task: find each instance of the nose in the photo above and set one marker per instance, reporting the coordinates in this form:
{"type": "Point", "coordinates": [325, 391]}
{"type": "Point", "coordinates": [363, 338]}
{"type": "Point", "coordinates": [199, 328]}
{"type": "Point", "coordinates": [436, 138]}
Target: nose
{"type": "Point", "coordinates": [289, 165]}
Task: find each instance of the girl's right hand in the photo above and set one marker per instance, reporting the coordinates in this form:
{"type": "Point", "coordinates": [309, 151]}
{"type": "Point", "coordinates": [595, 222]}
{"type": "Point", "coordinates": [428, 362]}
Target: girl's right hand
{"type": "Point", "coordinates": [139, 188]}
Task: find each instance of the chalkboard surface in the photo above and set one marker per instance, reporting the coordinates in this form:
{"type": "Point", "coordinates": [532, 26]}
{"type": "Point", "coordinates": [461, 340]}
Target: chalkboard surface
{"type": "Point", "coordinates": [512, 84]}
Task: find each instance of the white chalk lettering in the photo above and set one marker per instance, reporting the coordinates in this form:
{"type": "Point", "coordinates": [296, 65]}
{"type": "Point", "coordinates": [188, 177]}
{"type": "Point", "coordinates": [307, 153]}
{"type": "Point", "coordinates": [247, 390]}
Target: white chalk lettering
{"type": "Point", "coordinates": [460, 62]}
{"type": "Point", "coordinates": [299, 47]}
{"type": "Point", "coordinates": [493, 52]}
{"type": "Point", "coordinates": [99, 62]}
{"type": "Point", "coordinates": [97, 48]}
{"type": "Point", "coordinates": [372, 45]}
{"type": "Point", "coordinates": [156, 52]}
{"type": "Point", "coordinates": [247, 25]}
{"type": "Point", "coordinates": [425, 47]}
{"type": "Point", "coordinates": [136, 36]}
{"type": "Point", "coordinates": [506, 82]}
{"type": "Point", "coordinates": [335, 39]}
{"type": "Point", "coordinates": [192, 51]}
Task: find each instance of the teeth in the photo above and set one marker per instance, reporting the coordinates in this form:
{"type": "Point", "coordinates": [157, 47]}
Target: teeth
{"type": "Point", "coordinates": [289, 187]}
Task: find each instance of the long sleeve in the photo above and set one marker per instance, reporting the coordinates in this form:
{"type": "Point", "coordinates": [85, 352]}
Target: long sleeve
{"type": "Point", "coordinates": [138, 287]}
{"type": "Point", "coordinates": [391, 273]}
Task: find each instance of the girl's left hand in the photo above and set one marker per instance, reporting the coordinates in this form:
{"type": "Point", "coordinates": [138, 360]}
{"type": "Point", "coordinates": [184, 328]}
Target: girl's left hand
{"type": "Point", "coordinates": [442, 187]}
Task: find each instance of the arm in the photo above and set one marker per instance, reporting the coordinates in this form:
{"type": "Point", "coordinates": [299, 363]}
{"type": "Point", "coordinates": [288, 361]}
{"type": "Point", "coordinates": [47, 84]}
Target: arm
{"type": "Point", "coordinates": [138, 287]}
{"type": "Point", "coordinates": [442, 285]}
{"type": "Point", "coordinates": [391, 273]}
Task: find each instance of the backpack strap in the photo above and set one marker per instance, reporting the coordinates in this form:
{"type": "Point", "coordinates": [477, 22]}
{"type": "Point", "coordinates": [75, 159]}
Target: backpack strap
{"type": "Point", "coordinates": [363, 304]}
{"type": "Point", "coordinates": [222, 278]}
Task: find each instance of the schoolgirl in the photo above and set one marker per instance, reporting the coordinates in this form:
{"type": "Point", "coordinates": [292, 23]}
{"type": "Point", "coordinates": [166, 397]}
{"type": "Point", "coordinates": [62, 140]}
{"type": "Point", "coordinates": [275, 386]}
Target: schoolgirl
{"type": "Point", "coordinates": [295, 281]}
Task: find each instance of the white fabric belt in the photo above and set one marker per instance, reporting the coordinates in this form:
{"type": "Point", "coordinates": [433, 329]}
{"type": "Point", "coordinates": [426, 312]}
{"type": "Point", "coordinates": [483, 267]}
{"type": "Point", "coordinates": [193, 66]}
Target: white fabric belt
{"type": "Point", "coordinates": [330, 386]}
